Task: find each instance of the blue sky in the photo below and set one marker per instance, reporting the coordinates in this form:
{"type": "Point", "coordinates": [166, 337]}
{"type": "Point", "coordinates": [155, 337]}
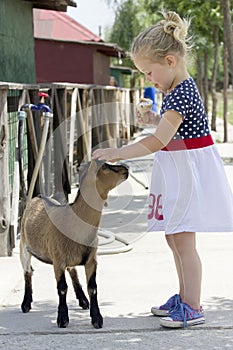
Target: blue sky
{"type": "Point", "coordinates": [92, 14]}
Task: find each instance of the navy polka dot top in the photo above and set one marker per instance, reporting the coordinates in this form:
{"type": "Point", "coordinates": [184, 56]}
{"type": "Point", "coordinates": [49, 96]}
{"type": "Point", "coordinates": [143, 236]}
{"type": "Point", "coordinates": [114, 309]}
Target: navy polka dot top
{"type": "Point", "coordinates": [186, 100]}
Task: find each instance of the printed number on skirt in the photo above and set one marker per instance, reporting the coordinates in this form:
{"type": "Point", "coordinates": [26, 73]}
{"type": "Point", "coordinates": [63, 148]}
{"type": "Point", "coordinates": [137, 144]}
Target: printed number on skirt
{"type": "Point", "coordinates": [155, 207]}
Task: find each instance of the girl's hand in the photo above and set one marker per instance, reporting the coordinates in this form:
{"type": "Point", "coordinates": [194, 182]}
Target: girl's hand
{"type": "Point", "coordinates": [108, 154]}
{"type": "Point", "coordinates": [150, 118]}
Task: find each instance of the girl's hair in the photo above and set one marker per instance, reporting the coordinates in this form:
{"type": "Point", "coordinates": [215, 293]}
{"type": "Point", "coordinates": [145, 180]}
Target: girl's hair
{"type": "Point", "coordinates": [169, 35]}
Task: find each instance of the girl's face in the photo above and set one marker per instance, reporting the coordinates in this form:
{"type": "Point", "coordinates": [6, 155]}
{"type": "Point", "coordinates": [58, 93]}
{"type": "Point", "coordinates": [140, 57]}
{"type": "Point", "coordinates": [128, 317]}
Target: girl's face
{"type": "Point", "coordinates": [161, 74]}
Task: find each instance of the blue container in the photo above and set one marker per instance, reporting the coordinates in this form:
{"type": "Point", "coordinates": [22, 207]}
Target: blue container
{"type": "Point", "coordinates": [151, 93]}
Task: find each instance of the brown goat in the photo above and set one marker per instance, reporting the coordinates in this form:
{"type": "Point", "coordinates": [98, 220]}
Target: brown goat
{"type": "Point", "coordinates": [66, 236]}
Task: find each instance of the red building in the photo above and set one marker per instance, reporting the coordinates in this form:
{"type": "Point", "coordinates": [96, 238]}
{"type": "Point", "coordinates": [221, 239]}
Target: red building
{"type": "Point", "coordinates": [65, 51]}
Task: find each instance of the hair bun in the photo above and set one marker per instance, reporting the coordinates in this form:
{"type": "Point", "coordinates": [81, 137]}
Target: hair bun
{"type": "Point", "coordinates": [175, 26]}
{"type": "Point", "coordinates": [169, 35]}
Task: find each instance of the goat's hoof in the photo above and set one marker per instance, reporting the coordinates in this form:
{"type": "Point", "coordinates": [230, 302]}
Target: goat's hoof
{"type": "Point", "coordinates": [97, 322]}
{"type": "Point", "coordinates": [62, 321]}
{"type": "Point", "coordinates": [62, 316]}
{"type": "Point", "coordinates": [25, 308]}
{"type": "Point", "coordinates": [84, 304]}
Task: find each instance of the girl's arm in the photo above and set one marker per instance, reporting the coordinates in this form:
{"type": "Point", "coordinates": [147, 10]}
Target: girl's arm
{"type": "Point", "coordinates": [165, 131]}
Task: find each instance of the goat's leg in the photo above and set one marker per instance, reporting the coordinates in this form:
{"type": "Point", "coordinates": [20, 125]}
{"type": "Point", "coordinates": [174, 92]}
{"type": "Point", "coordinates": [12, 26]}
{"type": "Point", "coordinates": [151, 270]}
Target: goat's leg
{"type": "Point", "coordinates": [62, 315]}
{"type": "Point", "coordinates": [83, 301]}
{"type": "Point", "coordinates": [25, 258]}
{"type": "Point", "coordinates": [96, 318]}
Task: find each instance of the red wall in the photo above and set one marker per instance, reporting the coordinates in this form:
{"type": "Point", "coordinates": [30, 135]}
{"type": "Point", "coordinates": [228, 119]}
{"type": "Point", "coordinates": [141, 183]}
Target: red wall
{"type": "Point", "coordinates": [101, 64]}
{"type": "Point", "coordinates": [58, 61]}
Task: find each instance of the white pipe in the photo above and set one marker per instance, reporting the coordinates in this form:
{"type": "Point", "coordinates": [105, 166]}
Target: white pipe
{"type": "Point", "coordinates": [39, 157]}
{"type": "Point", "coordinates": [110, 239]}
{"type": "Point", "coordinates": [15, 199]}
{"type": "Point", "coordinates": [72, 130]}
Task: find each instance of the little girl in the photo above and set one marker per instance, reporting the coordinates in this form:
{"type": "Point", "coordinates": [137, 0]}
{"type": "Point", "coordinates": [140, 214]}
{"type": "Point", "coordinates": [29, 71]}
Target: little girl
{"type": "Point", "coordinates": [189, 188]}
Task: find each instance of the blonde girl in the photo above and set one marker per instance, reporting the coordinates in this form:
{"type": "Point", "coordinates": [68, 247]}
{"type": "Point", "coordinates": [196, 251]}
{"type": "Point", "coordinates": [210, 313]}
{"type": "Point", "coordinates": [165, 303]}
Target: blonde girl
{"type": "Point", "coordinates": [189, 189]}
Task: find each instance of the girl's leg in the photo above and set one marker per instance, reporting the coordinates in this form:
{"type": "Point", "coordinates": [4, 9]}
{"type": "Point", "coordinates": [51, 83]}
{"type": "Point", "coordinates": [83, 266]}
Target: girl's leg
{"type": "Point", "coordinates": [191, 269]}
{"type": "Point", "coordinates": [171, 244]}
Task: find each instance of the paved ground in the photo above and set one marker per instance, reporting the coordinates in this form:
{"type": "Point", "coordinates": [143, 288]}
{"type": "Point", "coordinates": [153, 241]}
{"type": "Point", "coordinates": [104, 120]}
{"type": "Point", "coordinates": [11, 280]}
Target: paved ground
{"type": "Point", "coordinates": [128, 285]}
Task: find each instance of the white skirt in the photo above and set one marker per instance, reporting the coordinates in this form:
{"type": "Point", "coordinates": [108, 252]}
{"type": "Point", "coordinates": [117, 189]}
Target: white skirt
{"type": "Point", "coordinates": [190, 192]}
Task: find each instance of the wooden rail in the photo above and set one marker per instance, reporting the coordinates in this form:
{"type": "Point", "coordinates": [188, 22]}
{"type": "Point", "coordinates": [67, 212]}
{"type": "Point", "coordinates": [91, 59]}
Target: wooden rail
{"type": "Point", "coordinates": [84, 117]}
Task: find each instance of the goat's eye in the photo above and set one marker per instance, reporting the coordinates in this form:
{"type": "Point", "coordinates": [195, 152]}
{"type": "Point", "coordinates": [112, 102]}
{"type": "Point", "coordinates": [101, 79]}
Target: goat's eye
{"type": "Point", "coordinates": [105, 168]}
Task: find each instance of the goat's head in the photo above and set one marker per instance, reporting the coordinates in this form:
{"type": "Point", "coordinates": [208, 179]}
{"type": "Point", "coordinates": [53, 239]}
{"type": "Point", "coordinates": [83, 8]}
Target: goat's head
{"type": "Point", "coordinates": [109, 176]}
{"type": "Point", "coordinates": [102, 177]}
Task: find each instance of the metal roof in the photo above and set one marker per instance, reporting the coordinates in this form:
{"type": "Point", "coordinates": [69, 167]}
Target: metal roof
{"type": "Point", "coordinates": [53, 25]}
{"type": "Point", "coordinates": [60, 26]}
{"type": "Point", "coordinates": [57, 5]}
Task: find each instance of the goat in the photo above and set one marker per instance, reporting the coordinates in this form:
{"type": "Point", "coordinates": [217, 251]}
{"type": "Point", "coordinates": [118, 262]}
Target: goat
{"type": "Point", "coordinates": [66, 236]}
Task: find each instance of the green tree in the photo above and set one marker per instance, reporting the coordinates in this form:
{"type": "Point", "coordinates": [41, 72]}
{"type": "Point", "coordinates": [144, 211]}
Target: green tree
{"type": "Point", "coordinates": [227, 25]}
{"type": "Point", "coordinates": [126, 24]}
{"type": "Point", "coordinates": [227, 57]}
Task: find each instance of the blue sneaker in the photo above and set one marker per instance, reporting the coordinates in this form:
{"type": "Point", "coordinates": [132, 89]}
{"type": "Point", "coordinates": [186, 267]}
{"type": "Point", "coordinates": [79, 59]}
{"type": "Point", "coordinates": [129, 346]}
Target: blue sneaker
{"type": "Point", "coordinates": [164, 310]}
{"type": "Point", "coordinates": [182, 316]}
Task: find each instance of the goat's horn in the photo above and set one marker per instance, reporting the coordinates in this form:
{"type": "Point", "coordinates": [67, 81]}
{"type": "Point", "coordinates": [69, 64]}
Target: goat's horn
{"type": "Point", "coordinates": [96, 164]}
{"type": "Point", "coordinates": [93, 165]}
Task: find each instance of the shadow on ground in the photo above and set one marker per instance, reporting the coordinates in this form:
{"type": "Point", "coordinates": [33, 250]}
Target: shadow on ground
{"type": "Point", "coordinates": [38, 330]}
{"type": "Point", "coordinates": [42, 318]}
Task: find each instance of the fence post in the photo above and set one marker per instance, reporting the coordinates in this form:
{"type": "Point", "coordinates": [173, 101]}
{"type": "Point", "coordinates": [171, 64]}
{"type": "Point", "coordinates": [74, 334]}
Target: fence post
{"type": "Point", "coordinates": [61, 166]}
{"type": "Point", "coordinates": [5, 244]}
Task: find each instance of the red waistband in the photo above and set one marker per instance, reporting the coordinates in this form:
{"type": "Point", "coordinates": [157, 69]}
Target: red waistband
{"type": "Point", "coordinates": [199, 142]}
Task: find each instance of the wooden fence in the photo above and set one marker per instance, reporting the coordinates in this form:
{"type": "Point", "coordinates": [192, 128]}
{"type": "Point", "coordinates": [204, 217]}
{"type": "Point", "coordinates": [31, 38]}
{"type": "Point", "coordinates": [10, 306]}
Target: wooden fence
{"type": "Point", "coordinates": [84, 117]}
